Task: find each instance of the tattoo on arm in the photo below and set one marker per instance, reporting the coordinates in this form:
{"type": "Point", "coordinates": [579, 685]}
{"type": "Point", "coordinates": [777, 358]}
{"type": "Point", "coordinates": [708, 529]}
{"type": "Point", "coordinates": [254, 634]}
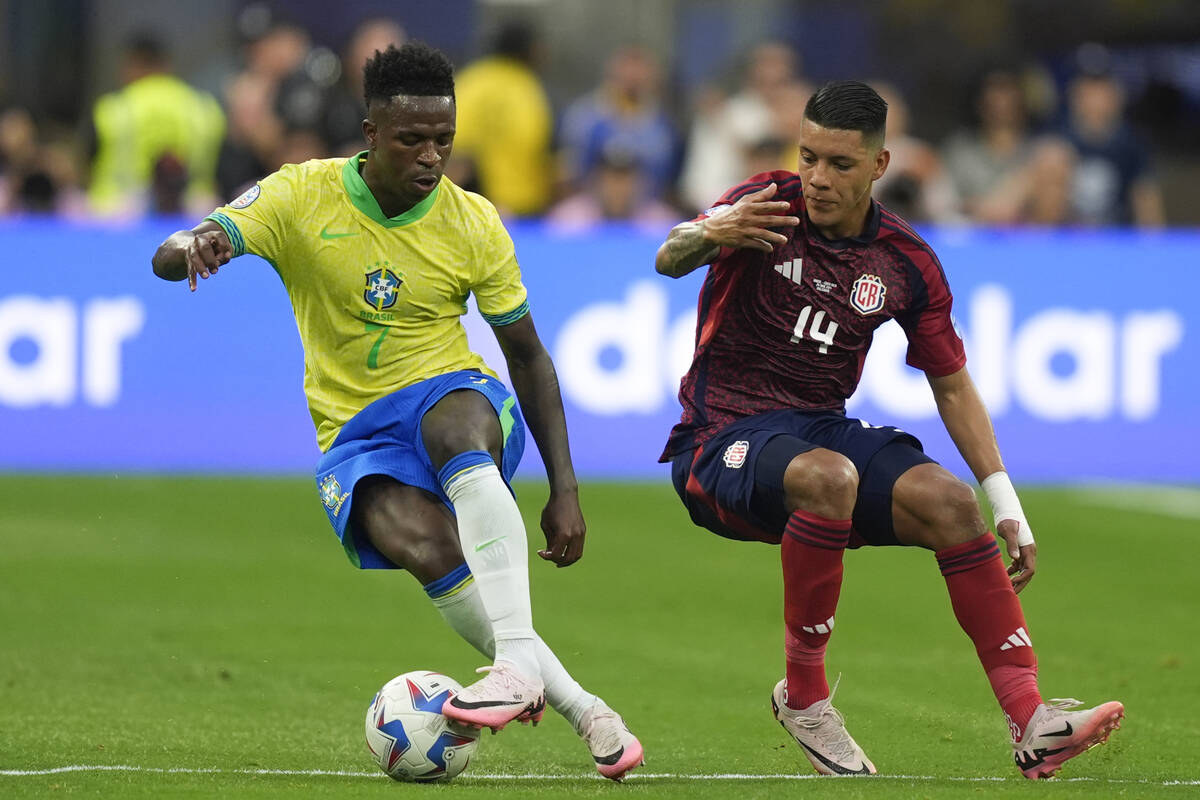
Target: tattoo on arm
{"type": "Point", "coordinates": [684, 250]}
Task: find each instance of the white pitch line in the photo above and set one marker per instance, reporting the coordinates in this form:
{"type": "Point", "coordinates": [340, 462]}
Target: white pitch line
{"type": "Point", "coordinates": [637, 776]}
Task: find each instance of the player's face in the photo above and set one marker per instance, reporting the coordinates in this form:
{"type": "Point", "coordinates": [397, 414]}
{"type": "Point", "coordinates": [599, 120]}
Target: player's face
{"type": "Point", "coordinates": [409, 139]}
{"type": "Point", "coordinates": [837, 168]}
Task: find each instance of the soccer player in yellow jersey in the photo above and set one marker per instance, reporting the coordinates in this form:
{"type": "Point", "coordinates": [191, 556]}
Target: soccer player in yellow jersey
{"type": "Point", "coordinates": [419, 438]}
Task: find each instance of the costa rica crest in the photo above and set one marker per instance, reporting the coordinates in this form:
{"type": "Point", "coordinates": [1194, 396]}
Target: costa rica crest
{"type": "Point", "coordinates": [735, 454]}
{"type": "Point", "coordinates": [382, 288]}
{"type": "Point", "coordinates": [867, 294]}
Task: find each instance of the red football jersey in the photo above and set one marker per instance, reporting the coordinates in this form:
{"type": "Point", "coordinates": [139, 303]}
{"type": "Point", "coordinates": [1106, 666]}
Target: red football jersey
{"type": "Point", "coordinates": [791, 328]}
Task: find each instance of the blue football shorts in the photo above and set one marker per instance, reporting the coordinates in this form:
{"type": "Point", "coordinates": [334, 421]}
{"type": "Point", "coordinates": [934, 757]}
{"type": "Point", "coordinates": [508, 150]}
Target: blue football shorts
{"type": "Point", "coordinates": [733, 483]}
{"type": "Point", "coordinates": [385, 439]}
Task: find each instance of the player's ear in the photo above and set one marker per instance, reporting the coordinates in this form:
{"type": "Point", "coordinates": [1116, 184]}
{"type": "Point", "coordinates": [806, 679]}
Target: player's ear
{"type": "Point", "coordinates": [370, 132]}
{"type": "Point", "coordinates": [882, 159]}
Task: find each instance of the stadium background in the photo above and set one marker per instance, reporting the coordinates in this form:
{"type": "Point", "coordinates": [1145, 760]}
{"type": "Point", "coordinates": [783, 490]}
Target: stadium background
{"type": "Point", "coordinates": [149, 434]}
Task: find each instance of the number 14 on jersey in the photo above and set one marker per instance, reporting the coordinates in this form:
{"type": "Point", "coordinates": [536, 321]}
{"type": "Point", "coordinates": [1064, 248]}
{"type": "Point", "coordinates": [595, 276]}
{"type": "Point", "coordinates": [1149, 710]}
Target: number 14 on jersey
{"type": "Point", "coordinates": [816, 332]}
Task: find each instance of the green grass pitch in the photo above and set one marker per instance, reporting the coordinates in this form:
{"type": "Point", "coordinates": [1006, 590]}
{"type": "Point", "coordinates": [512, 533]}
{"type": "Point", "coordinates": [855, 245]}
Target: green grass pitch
{"type": "Point", "coordinates": [192, 635]}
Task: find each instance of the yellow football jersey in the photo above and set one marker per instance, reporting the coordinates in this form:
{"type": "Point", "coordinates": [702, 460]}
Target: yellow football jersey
{"type": "Point", "coordinates": [377, 300]}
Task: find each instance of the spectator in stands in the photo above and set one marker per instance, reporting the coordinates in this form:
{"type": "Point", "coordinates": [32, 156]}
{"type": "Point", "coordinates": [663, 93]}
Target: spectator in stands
{"type": "Point", "coordinates": [726, 133]}
{"type": "Point", "coordinates": [274, 49]}
{"type": "Point", "coordinates": [155, 123]}
{"type": "Point", "coordinates": [505, 125]}
{"type": "Point", "coordinates": [343, 109]}
{"type": "Point", "coordinates": [613, 193]}
{"type": "Point", "coordinates": [36, 176]}
{"type": "Point", "coordinates": [1113, 183]}
{"type": "Point", "coordinates": [624, 113]}
{"type": "Point", "coordinates": [985, 159]}
{"type": "Point", "coordinates": [916, 185]}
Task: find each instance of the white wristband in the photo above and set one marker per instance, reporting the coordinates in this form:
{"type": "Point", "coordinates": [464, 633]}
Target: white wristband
{"type": "Point", "coordinates": [1005, 505]}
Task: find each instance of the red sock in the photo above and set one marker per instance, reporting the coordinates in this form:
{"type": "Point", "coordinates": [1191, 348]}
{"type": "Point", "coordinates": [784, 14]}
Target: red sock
{"type": "Point", "coordinates": [988, 610]}
{"type": "Point", "coordinates": [812, 550]}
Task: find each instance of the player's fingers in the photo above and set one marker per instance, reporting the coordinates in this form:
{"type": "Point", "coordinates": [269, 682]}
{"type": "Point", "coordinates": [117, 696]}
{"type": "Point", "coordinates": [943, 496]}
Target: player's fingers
{"type": "Point", "coordinates": [1009, 535]}
{"type": "Point", "coordinates": [763, 193]}
{"type": "Point", "coordinates": [763, 239]}
{"type": "Point", "coordinates": [221, 248]}
{"type": "Point", "coordinates": [574, 550]}
{"type": "Point", "coordinates": [774, 208]}
{"type": "Point", "coordinates": [778, 221]}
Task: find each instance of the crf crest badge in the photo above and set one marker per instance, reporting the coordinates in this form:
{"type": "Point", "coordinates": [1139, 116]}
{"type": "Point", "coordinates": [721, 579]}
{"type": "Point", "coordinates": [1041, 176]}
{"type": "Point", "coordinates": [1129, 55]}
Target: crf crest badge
{"type": "Point", "coordinates": [735, 454]}
{"type": "Point", "coordinates": [867, 294]}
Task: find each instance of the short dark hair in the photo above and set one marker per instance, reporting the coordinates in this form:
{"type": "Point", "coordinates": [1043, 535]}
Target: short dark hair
{"type": "Point", "coordinates": [414, 69]}
{"type": "Point", "coordinates": [849, 106]}
{"type": "Point", "coordinates": [146, 48]}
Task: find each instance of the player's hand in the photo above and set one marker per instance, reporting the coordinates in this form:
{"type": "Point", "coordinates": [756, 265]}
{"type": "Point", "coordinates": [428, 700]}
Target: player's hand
{"type": "Point", "coordinates": [205, 254]}
{"type": "Point", "coordinates": [748, 222]}
{"type": "Point", "coordinates": [562, 522]}
{"type": "Point", "coordinates": [1024, 559]}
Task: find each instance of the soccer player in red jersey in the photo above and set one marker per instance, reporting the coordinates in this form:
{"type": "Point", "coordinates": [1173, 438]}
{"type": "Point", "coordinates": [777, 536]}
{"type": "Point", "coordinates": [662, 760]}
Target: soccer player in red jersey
{"type": "Point", "coordinates": [803, 268]}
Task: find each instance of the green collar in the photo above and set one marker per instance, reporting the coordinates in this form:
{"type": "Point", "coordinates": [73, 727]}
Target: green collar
{"type": "Point", "coordinates": [365, 202]}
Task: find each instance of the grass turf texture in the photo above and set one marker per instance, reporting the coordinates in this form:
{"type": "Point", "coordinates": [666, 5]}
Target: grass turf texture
{"type": "Point", "coordinates": [214, 624]}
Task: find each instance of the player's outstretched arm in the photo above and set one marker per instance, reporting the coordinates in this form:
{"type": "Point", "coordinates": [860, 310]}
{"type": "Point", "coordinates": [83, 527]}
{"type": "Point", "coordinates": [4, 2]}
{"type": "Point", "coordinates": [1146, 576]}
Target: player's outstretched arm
{"type": "Point", "coordinates": [746, 223]}
{"type": "Point", "coordinates": [969, 425]}
{"type": "Point", "coordinates": [193, 254]}
{"type": "Point", "coordinates": [536, 385]}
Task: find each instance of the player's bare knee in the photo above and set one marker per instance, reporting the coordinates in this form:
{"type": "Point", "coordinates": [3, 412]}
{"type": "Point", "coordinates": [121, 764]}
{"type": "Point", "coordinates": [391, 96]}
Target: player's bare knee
{"type": "Point", "coordinates": [409, 526]}
{"type": "Point", "coordinates": [426, 553]}
{"type": "Point", "coordinates": [822, 482]}
{"type": "Point", "coordinates": [954, 515]}
{"type": "Point", "coordinates": [460, 422]}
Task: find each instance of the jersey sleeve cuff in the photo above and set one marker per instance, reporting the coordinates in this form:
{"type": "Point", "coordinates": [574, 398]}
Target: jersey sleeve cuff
{"type": "Point", "coordinates": [231, 230]}
{"type": "Point", "coordinates": [940, 370]}
{"type": "Point", "coordinates": [507, 318]}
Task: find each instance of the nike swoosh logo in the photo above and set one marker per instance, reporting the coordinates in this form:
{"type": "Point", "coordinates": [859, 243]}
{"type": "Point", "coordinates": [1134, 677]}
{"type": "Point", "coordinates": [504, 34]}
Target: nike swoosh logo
{"type": "Point", "coordinates": [325, 234]}
{"type": "Point", "coordinates": [1067, 731]}
{"type": "Point", "coordinates": [837, 768]}
{"type": "Point", "coordinates": [488, 543]}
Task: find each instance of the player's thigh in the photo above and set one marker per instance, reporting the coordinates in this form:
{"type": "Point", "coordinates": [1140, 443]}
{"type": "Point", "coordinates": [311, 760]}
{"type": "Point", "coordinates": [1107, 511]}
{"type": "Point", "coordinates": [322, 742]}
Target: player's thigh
{"type": "Point", "coordinates": [461, 421]}
{"type": "Point", "coordinates": [932, 508]}
{"type": "Point", "coordinates": [409, 526]}
{"type": "Point", "coordinates": [734, 484]}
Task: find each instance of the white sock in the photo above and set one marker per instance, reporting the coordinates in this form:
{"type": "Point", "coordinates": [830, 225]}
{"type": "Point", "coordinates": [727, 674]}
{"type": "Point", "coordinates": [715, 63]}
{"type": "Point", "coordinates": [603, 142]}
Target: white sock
{"type": "Point", "coordinates": [464, 612]}
{"type": "Point", "coordinates": [493, 540]}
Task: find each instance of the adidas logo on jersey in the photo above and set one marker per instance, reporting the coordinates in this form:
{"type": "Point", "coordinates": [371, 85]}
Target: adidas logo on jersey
{"type": "Point", "coordinates": [1018, 639]}
{"type": "Point", "coordinates": [791, 270]}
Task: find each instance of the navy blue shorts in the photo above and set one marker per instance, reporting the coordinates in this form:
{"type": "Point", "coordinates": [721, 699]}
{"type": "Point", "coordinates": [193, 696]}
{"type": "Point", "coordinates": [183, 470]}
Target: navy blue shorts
{"type": "Point", "coordinates": [385, 439]}
{"type": "Point", "coordinates": [733, 483]}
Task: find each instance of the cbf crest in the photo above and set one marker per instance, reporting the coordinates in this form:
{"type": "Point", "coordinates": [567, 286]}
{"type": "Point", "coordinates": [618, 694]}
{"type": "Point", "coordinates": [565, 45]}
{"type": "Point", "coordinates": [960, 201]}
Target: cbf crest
{"type": "Point", "coordinates": [867, 294]}
{"type": "Point", "coordinates": [382, 288]}
{"type": "Point", "coordinates": [331, 493]}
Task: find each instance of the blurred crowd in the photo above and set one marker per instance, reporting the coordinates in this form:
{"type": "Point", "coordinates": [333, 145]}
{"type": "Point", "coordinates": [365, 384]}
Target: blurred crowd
{"type": "Point", "coordinates": [1029, 152]}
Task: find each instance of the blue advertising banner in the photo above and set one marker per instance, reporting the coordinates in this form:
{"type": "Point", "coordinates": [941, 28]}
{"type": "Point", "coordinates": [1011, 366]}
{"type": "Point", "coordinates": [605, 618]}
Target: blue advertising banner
{"type": "Point", "coordinates": [1082, 344]}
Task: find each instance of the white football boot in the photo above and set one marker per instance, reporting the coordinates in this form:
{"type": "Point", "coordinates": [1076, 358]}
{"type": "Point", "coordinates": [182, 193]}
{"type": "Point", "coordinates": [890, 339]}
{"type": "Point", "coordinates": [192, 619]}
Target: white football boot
{"type": "Point", "coordinates": [615, 750]}
{"type": "Point", "coordinates": [497, 699]}
{"type": "Point", "coordinates": [821, 733]}
{"type": "Point", "coordinates": [1055, 735]}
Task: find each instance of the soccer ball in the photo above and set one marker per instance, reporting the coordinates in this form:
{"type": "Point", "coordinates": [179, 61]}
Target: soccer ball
{"type": "Point", "coordinates": [407, 734]}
